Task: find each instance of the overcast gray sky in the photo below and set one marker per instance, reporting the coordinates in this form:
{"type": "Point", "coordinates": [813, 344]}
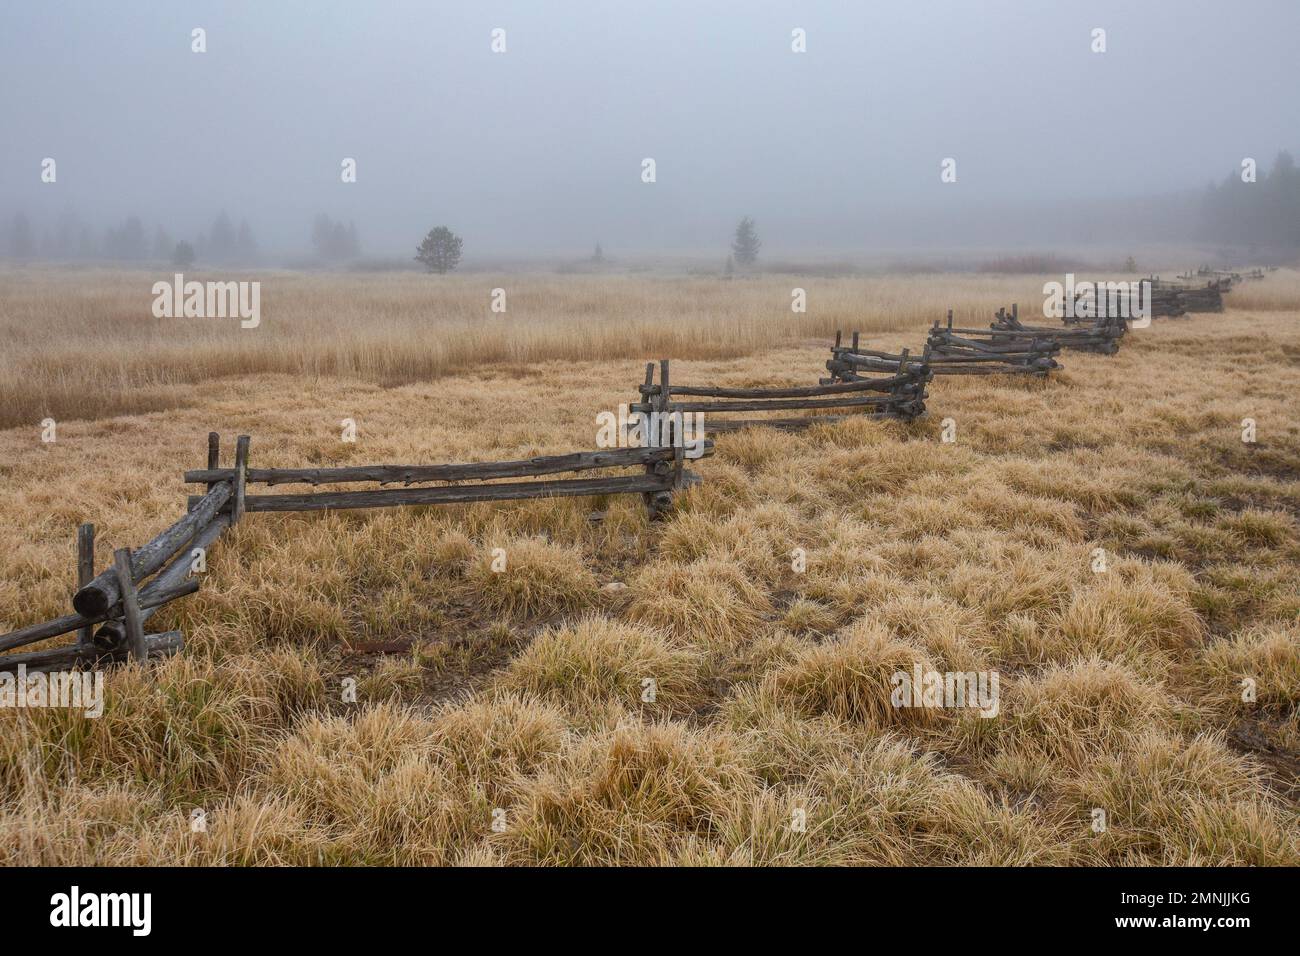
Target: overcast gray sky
{"type": "Point", "coordinates": [538, 150]}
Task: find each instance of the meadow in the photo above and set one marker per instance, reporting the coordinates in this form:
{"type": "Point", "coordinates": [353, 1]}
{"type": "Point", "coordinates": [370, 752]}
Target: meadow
{"type": "Point", "coordinates": [516, 698]}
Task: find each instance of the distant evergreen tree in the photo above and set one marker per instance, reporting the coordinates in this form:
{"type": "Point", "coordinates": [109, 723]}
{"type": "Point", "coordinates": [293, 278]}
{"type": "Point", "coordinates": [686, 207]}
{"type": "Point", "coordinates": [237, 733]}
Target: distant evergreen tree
{"type": "Point", "coordinates": [339, 241]}
{"type": "Point", "coordinates": [183, 255]}
{"type": "Point", "coordinates": [134, 244]}
{"type": "Point", "coordinates": [333, 241]}
{"type": "Point", "coordinates": [245, 244]}
{"type": "Point", "coordinates": [440, 250]}
{"type": "Point", "coordinates": [1265, 212]}
{"type": "Point", "coordinates": [321, 229]}
{"type": "Point", "coordinates": [65, 243]}
{"type": "Point", "coordinates": [163, 246]}
{"type": "Point", "coordinates": [222, 241]}
{"type": "Point", "coordinates": [22, 243]}
{"type": "Point", "coordinates": [128, 242]}
{"type": "Point", "coordinates": [746, 244]}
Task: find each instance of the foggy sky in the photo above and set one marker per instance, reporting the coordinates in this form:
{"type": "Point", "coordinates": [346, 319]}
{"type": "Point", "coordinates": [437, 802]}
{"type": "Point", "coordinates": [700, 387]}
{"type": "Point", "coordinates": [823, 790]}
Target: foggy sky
{"type": "Point", "coordinates": [539, 150]}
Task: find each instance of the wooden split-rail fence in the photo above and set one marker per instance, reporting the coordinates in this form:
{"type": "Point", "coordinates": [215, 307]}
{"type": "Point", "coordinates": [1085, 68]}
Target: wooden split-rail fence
{"type": "Point", "coordinates": [958, 351]}
{"type": "Point", "coordinates": [1166, 300]}
{"type": "Point", "coordinates": [851, 362]}
{"type": "Point", "coordinates": [1178, 298]}
{"type": "Point", "coordinates": [1189, 294]}
{"type": "Point", "coordinates": [1225, 277]}
{"type": "Point", "coordinates": [899, 393]}
{"type": "Point", "coordinates": [1098, 335]}
{"type": "Point", "coordinates": [111, 608]}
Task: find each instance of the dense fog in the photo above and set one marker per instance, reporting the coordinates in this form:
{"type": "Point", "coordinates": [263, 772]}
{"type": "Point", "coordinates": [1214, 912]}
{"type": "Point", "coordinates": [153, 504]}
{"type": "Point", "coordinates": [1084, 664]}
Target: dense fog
{"type": "Point", "coordinates": [525, 127]}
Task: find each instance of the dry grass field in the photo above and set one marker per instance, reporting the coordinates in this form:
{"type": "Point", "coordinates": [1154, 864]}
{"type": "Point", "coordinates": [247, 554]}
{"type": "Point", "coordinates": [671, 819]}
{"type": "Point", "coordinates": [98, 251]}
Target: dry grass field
{"type": "Point", "coordinates": [522, 691]}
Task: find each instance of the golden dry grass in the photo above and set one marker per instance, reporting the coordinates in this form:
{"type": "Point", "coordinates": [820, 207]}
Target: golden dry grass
{"type": "Point", "coordinates": [85, 344]}
{"type": "Point", "coordinates": [524, 692]}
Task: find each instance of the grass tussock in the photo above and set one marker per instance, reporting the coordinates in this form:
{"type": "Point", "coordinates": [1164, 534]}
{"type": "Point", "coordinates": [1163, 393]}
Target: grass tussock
{"type": "Point", "coordinates": [849, 678]}
{"type": "Point", "coordinates": [532, 577]}
{"type": "Point", "coordinates": [594, 663]}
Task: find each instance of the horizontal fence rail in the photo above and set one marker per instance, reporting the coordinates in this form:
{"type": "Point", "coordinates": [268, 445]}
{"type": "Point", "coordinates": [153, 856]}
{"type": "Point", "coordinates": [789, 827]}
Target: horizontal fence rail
{"type": "Point", "coordinates": [522, 490]}
{"type": "Point", "coordinates": [415, 474]}
{"type": "Point", "coordinates": [71, 622]}
{"type": "Point", "coordinates": [77, 655]}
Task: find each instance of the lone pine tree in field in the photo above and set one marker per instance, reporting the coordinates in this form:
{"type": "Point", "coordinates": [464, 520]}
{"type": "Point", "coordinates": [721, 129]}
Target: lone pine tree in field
{"type": "Point", "coordinates": [746, 244]}
{"type": "Point", "coordinates": [440, 251]}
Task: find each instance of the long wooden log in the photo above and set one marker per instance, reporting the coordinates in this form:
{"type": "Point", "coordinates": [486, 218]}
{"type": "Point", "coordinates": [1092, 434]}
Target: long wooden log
{"type": "Point", "coordinates": [71, 622]}
{"type": "Point", "coordinates": [866, 364]}
{"type": "Point", "coordinates": [103, 592]}
{"type": "Point", "coordinates": [414, 474]}
{"type": "Point", "coordinates": [963, 348]}
{"type": "Point", "coordinates": [916, 371]}
{"type": "Point", "coordinates": [999, 333]}
{"type": "Point", "coordinates": [1013, 347]}
{"type": "Point", "coordinates": [1086, 339]}
{"type": "Point", "coordinates": [888, 357]}
{"type": "Point", "coordinates": [730, 425]}
{"type": "Point", "coordinates": [75, 655]}
{"type": "Point", "coordinates": [841, 372]}
{"type": "Point", "coordinates": [806, 391]}
{"type": "Point", "coordinates": [774, 405]}
{"type": "Point", "coordinates": [950, 358]}
{"type": "Point", "coordinates": [1022, 345]}
{"type": "Point", "coordinates": [458, 494]}
{"type": "Point", "coordinates": [991, 370]}
{"type": "Point", "coordinates": [175, 575]}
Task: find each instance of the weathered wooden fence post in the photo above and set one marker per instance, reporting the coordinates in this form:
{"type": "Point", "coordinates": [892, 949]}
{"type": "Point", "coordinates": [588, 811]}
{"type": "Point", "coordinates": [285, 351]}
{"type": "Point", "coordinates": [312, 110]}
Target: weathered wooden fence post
{"type": "Point", "coordinates": [241, 477]}
{"type": "Point", "coordinates": [658, 503]}
{"type": "Point", "coordinates": [214, 454]}
{"type": "Point", "coordinates": [130, 607]}
{"type": "Point", "coordinates": [85, 574]}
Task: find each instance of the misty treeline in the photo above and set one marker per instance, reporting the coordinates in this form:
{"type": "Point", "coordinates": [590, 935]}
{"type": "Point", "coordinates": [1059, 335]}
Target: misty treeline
{"type": "Point", "coordinates": [333, 241]}
{"type": "Point", "coordinates": [223, 243]}
{"type": "Point", "coordinates": [1265, 212]}
{"type": "Point", "coordinates": [1259, 215]}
